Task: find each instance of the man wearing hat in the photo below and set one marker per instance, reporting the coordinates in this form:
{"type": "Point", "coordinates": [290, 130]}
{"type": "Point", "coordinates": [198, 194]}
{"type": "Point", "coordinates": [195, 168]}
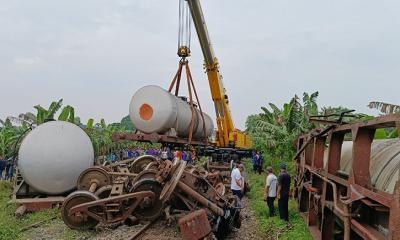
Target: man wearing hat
{"type": "Point", "coordinates": [283, 192]}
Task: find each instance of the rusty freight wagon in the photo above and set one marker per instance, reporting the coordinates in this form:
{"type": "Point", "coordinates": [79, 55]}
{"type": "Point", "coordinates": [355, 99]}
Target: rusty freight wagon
{"type": "Point", "coordinates": [347, 183]}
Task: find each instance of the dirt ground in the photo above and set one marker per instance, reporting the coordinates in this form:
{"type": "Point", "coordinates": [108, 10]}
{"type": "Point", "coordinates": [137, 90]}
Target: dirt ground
{"type": "Point", "coordinates": [158, 231]}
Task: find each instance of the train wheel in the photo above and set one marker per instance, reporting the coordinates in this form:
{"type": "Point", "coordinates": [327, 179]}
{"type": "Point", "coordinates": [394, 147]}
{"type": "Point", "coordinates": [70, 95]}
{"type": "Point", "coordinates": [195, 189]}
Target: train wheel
{"type": "Point", "coordinates": [79, 220]}
{"type": "Point", "coordinates": [103, 192]}
{"type": "Point", "coordinates": [141, 163]}
{"type": "Point", "coordinates": [146, 174]}
{"type": "Point", "coordinates": [150, 208]}
{"type": "Point", "coordinates": [94, 174]}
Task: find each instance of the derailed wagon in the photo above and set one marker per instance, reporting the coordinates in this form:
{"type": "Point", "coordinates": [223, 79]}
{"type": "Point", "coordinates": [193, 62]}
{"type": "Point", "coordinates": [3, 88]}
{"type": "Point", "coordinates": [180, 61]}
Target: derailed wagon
{"type": "Point", "coordinates": [147, 188]}
{"type": "Point", "coordinates": [347, 184]}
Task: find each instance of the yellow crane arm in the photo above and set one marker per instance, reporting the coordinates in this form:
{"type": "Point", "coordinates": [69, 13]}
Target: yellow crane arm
{"type": "Point", "coordinates": [226, 135]}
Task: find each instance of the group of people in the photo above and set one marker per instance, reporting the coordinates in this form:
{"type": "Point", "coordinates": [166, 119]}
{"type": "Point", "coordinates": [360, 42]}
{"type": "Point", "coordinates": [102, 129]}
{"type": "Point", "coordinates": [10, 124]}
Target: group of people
{"type": "Point", "coordinates": [123, 154]}
{"type": "Point", "coordinates": [278, 188]}
{"type": "Point", "coordinates": [168, 154]}
{"type": "Point", "coordinates": [275, 187]}
{"type": "Point", "coordinates": [164, 153]}
{"type": "Point", "coordinates": [6, 168]}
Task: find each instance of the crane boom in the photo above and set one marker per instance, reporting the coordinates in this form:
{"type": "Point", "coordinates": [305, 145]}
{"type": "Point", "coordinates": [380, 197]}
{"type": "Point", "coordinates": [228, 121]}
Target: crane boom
{"type": "Point", "coordinates": [226, 135]}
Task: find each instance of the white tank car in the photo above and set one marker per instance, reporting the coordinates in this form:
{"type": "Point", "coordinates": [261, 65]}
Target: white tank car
{"type": "Point", "coordinates": [52, 156]}
{"type": "Point", "coordinates": [155, 110]}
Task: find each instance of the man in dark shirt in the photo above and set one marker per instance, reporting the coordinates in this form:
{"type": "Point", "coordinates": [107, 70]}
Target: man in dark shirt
{"type": "Point", "coordinates": [283, 193]}
{"type": "Point", "coordinates": [2, 166]}
{"type": "Point", "coordinates": [260, 163]}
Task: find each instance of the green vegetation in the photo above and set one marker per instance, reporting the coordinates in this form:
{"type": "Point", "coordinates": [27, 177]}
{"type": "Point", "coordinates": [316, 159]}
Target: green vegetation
{"type": "Point", "coordinates": [9, 136]}
{"type": "Point", "coordinates": [273, 228]}
{"type": "Point", "coordinates": [275, 130]}
{"type": "Point", "coordinates": [12, 228]}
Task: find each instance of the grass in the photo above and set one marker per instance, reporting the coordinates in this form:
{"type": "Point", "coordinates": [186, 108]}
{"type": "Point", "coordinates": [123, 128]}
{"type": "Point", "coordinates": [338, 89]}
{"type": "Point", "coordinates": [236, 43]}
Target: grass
{"type": "Point", "coordinates": [273, 228]}
{"type": "Point", "coordinates": [11, 228]}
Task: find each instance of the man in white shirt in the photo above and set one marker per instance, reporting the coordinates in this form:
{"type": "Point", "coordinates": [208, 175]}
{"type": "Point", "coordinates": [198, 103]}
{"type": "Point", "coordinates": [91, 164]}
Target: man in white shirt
{"type": "Point", "coordinates": [270, 190]}
{"type": "Point", "coordinates": [237, 183]}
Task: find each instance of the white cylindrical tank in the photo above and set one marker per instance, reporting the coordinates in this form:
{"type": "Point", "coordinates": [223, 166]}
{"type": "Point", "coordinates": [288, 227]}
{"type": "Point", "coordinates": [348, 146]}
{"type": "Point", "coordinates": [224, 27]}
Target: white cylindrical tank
{"type": "Point", "coordinates": [52, 156]}
{"type": "Point", "coordinates": [155, 110]}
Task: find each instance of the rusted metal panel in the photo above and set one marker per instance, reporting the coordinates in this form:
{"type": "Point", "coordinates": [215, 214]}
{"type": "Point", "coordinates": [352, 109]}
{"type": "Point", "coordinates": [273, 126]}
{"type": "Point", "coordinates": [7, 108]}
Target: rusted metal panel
{"type": "Point", "coordinates": [361, 155]}
{"type": "Point", "coordinates": [335, 148]}
{"type": "Point", "coordinates": [318, 156]}
{"type": "Point", "coordinates": [195, 225]}
{"type": "Point", "coordinates": [37, 204]}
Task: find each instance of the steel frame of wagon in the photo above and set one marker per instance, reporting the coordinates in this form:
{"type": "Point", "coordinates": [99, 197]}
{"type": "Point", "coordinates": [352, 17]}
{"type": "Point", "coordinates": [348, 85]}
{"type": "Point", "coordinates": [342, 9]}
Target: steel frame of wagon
{"type": "Point", "coordinates": [339, 206]}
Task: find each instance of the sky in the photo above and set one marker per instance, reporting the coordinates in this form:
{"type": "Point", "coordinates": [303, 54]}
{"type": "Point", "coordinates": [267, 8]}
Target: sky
{"type": "Point", "coordinates": [96, 53]}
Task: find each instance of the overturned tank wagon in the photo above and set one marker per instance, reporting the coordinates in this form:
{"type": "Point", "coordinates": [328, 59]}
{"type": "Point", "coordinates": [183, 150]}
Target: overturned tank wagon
{"type": "Point", "coordinates": [155, 110]}
{"type": "Point", "coordinates": [347, 183]}
{"type": "Point", "coordinates": [50, 159]}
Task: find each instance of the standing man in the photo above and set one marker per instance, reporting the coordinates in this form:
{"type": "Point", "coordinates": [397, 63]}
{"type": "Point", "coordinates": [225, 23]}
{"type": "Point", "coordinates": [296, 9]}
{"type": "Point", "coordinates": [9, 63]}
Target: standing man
{"type": "Point", "coordinates": [130, 153]}
{"type": "Point", "coordinates": [121, 155]}
{"type": "Point", "coordinates": [10, 169]}
{"type": "Point", "coordinates": [237, 181]}
{"type": "Point", "coordinates": [184, 156]}
{"type": "Point", "coordinates": [2, 166]}
{"type": "Point", "coordinates": [260, 162]}
{"type": "Point", "coordinates": [283, 192]}
{"type": "Point", "coordinates": [170, 155]}
{"type": "Point", "coordinates": [270, 190]}
{"type": "Point", "coordinates": [255, 162]}
{"type": "Point", "coordinates": [164, 154]}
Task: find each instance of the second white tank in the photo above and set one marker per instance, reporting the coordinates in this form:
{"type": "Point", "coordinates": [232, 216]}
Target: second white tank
{"type": "Point", "coordinates": [155, 110]}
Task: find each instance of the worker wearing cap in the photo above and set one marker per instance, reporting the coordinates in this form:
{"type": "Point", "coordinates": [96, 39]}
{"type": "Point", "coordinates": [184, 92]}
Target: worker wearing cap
{"type": "Point", "coordinates": [270, 190]}
{"type": "Point", "coordinates": [283, 192]}
{"type": "Point", "coordinates": [237, 184]}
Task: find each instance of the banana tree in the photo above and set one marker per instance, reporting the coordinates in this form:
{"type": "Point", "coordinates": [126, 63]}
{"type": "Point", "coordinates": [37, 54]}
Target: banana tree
{"type": "Point", "coordinates": [67, 113]}
{"type": "Point", "coordinates": [385, 108]}
{"type": "Point", "coordinates": [9, 137]}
